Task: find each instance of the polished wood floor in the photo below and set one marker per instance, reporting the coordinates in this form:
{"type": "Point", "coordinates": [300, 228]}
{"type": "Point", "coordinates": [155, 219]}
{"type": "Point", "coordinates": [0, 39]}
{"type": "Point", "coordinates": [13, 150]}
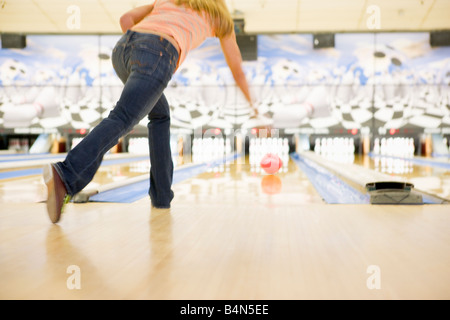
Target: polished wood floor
{"type": "Point", "coordinates": [231, 234]}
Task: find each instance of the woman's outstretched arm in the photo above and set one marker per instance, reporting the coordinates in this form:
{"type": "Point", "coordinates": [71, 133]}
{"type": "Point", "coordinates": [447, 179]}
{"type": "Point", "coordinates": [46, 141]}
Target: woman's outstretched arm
{"type": "Point", "coordinates": [233, 57]}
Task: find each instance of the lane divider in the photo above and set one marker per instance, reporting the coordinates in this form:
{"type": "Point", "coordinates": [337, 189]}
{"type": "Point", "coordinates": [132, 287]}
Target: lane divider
{"type": "Point", "coordinates": [360, 176]}
{"type": "Point", "coordinates": [416, 160]}
{"type": "Point", "coordinates": [20, 173]}
{"type": "Point", "coordinates": [26, 156]}
{"type": "Point", "coordinates": [38, 171]}
{"type": "Point", "coordinates": [332, 189]}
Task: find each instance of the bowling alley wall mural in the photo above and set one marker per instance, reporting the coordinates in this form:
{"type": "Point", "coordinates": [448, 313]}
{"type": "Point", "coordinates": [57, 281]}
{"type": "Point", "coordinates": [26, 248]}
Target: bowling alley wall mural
{"type": "Point", "coordinates": [376, 82]}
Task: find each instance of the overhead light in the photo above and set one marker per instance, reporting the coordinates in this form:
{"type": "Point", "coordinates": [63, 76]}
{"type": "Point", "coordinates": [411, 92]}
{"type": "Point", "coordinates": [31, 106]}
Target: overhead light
{"type": "Point", "coordinates": [248, 45]}
{"type": "Point", "coordinates": [13, 41]}
{"type": "Point", "coordinates": [440, 38]}
{"type": "Point", "coordinates": [323, 40]}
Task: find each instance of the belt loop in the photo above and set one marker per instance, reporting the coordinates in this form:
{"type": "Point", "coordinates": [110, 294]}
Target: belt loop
{"type": "Point", "coordinates": [129, 34]}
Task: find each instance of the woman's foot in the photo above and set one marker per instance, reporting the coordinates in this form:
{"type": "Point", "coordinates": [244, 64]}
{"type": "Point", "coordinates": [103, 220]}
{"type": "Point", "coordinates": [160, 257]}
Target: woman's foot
{"type": "Point", "coordinates": [57, 193]}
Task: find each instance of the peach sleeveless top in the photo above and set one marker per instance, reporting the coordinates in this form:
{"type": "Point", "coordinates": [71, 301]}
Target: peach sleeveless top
{"type": "Point", "coordinates": [186, 26]}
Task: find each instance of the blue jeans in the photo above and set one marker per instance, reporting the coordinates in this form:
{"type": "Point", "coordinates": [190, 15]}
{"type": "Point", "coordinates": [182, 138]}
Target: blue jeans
{"type": "Point", "coordinates": [145, 63]}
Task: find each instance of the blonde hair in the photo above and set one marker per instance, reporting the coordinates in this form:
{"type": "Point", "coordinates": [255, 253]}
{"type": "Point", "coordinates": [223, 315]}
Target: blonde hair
{"type": "Point", "coordinates": [221, 19]}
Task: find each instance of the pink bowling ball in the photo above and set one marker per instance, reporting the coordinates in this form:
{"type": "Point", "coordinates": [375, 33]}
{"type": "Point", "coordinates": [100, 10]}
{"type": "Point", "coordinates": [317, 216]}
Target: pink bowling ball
{"type": "Point", "coordinates": [271, 163]}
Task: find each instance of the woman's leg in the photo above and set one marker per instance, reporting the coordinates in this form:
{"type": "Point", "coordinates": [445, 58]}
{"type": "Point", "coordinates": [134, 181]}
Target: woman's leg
{"type": "Point", "coordinates": [146, 64]}
{"type": "Point", "coordinates": [150, 69]}
{"type": "Point", "coordinates": [161, 172]}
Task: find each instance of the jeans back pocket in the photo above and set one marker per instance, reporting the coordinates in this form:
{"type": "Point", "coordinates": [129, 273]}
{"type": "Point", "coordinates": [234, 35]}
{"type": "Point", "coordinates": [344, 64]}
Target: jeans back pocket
{"type": "Point", "coordinates": [144, 59]}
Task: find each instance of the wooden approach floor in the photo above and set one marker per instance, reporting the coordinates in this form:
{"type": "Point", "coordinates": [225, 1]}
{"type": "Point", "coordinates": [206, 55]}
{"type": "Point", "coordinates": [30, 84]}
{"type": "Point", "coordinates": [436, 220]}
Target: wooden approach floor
{"type": "Point", "coordinates": [225, 237]}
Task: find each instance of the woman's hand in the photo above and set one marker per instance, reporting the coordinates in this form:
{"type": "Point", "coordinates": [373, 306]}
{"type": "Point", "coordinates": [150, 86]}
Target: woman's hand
{"type": "Point", "coordinates": [256, 113]}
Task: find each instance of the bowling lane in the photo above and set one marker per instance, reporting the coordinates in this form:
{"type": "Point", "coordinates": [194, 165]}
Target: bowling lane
{"type": "Point", "coordinates": [31, 188]}
{"type": "Point", "coordinates": [242, 182]}
{"type": "Point", "coordinates": [429, 178]}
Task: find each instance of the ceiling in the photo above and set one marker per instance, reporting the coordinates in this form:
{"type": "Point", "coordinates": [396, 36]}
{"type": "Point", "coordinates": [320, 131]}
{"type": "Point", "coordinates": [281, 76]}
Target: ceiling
{"type": "Point", "coordinates": [261, 16]}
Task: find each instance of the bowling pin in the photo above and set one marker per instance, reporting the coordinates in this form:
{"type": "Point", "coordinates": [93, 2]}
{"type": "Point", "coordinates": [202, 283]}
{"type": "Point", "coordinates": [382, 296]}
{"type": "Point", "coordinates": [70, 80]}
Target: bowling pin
{"type": "Point", "coordinates": [376, 146]}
